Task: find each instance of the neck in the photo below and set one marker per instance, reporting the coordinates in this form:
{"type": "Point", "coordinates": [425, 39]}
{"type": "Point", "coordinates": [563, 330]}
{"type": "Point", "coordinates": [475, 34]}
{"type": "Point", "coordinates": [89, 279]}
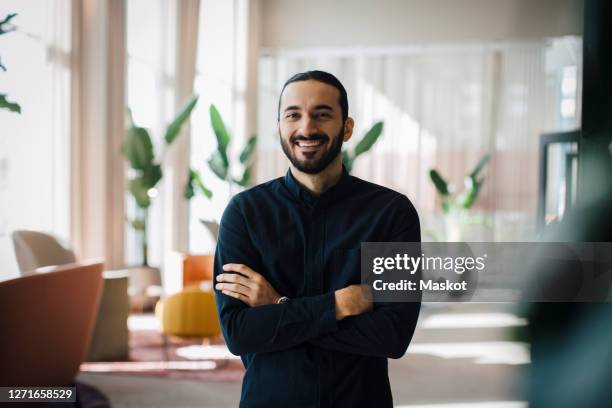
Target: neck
{"type": "Point", "coordinates": [318, 183]}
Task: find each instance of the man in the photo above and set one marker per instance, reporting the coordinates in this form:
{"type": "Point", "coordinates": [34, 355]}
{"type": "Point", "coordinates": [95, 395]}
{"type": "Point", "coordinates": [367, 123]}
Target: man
{"type": "Point", "coordinates": [287, 266]}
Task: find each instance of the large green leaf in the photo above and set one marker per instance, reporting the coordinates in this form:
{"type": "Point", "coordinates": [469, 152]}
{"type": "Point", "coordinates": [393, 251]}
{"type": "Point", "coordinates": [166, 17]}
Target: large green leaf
{"type": "Point", "coordinates": [248, 150]}
{"type": "Point", "coordinates": [218, 165]}
{"type": "Point", "coordinates": [6, 104]}
{"type": "Point", "coordinates": [439, 182]}
{"type": "Point", "coordinates": [221, 133]}
{"type": "Point", "coordinates": [369, 139]}
{"type": "Point", "coordinates": [174, 128]}
{"type": "Point", "coordinates": [139, 189]}
{"type": "Point", "coordinates": [480, 165]}
{"type": "Point", "coordinates": [138, 148]}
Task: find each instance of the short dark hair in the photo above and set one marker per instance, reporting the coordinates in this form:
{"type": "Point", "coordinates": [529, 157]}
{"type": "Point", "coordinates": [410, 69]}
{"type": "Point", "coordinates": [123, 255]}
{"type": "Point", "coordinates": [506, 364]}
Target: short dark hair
{"type": "Point", "coordinates": [320, 76]}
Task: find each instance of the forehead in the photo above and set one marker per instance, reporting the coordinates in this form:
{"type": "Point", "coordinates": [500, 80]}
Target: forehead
{"type": "Point", "coordinates": [310, 93]}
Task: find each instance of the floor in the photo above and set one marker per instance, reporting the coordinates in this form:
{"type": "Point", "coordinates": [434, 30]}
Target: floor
{"type": "Point", "coordinates": [461, 356]}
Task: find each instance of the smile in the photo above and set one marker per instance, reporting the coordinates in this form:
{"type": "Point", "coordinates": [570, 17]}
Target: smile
{"type": "Point", "coordinates": [310, 143]}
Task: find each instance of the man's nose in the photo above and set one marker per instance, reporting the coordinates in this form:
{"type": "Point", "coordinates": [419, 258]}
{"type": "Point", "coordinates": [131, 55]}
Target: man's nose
{"type": "Point", "coordinates": [307, 126]}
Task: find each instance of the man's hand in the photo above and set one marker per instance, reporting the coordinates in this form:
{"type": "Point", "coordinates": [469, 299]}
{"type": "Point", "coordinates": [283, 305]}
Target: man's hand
{"type": "Point", "coordinates": [246, 285]}
{"type": "Point", "coordinates": [353, 300]}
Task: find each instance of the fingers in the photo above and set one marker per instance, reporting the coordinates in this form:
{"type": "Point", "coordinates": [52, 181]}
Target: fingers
{"type": "Point", "coordinates": [240, 268]}
{"type": "Point", "coordinates": [234, 287]}
{"type": "Point", "coordinates": [235, 278]}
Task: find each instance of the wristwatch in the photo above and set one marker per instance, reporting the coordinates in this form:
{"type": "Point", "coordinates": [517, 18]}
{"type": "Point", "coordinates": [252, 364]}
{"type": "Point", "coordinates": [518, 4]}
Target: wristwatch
{"type": "Point", "coordinates": [282, 299]}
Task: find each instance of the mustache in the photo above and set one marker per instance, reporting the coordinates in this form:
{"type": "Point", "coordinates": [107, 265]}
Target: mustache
{"type": "Point", "coordinates": [314, 137]}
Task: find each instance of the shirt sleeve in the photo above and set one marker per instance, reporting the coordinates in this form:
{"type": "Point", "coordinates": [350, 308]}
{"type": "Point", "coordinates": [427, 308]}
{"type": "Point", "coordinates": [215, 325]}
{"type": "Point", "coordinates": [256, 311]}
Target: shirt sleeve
{"type": "Point", "coordinates": [270, 327]}
{"type": "Point", "coordinates": [387, 330]}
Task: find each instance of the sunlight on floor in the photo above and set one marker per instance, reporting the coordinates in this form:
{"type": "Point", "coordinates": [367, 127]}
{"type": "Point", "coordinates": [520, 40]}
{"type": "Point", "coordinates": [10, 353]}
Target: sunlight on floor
{"type": "Point", "coordinates": [472, 320]}
{"type": "Point", "coordinates": [143, 322]}
{"type": "Point", "coordinates": [491, 352]}
{"type": "Point", "coordinates": [197, 352]}
{"type": "Point", "coordinates": [485, 404]}
{"type": "Point", "coordinates": [135, 366]}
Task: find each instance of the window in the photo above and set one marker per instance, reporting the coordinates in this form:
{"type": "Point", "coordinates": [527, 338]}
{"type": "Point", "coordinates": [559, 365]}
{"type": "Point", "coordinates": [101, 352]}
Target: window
{"type": "Point", "coordinates": [150, 95]}
{"type": "Point", "coordinates": [35, 146]}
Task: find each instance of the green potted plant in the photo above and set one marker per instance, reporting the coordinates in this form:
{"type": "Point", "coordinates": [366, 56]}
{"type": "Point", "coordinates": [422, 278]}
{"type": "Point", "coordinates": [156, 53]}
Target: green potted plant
{"type": "Point", "coordinates": [456, 206]}
{"type": "Point", "coordinates": [146, 170]}
{"type": "Point", "coordinates": [220, 164]}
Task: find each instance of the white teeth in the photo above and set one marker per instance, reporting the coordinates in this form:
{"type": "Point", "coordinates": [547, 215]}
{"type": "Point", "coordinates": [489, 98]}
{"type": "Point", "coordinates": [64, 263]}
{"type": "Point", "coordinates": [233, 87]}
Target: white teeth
{"type": "Point", "coordinates": [309, 143]}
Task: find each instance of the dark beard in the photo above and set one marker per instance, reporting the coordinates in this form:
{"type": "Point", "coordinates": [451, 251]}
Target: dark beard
{"type": "Point", "coordinates": [319, 165]}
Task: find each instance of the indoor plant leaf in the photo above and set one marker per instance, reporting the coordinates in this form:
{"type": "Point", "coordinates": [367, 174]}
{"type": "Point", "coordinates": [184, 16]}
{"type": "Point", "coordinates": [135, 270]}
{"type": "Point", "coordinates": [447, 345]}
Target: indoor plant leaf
{"type": "Point", "coordinates": [245, 181]}
{"type": "Point", "coordinates": [369, 139]}
{"type": "Point", "coordinates": [139, 189]}
{"type": "Point", "coordinates": [479, 166]}
{"type": "Point", "coordinates": [439, 182]}
{"type": "Point", "coordinates": [6, 104]}
{"type": "Point", "coordinates": [138, 149]}
{"type": "Point", "coordinates": [469, 195]}
{"type": "Point", "coordinates": [6, 26]}
{"type": "Point", "coordinates": [151, 175]}
{"type": "Point", "coordinates": [138, 224]}
{"type": "Point", "coordinates": [194, 180]}
{"type": "Point", "coordinates": [223, 137]}
{"type": "Point", "coordinates": [174, 128]}
{"type": "Point", "coordinates": [248, 150]}
{"type": "Point", "coordinates": [218, 165]}
{"type": "Point", "coordinates": [189, 191]}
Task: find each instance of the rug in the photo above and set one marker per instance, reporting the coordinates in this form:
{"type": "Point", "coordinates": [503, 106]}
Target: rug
{"type": "Point", "coordinates": [182, 359]}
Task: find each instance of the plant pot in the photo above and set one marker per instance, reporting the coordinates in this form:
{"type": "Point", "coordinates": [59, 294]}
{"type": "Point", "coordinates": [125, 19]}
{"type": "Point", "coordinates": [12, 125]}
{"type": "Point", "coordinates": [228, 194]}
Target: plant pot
{"type": "Point", "coordinates": [454, 225]}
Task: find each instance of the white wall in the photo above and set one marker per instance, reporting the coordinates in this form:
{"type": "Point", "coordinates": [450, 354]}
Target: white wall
{"type": "Point", "coordinates": [319, 23]}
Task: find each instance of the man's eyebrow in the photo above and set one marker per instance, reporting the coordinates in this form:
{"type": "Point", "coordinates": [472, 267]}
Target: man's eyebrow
{"type": "Point", "coordinates": [318, 107]}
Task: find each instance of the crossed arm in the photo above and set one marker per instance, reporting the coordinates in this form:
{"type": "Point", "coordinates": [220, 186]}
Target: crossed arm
{"type": "Point", "coordinates": [344, 320]}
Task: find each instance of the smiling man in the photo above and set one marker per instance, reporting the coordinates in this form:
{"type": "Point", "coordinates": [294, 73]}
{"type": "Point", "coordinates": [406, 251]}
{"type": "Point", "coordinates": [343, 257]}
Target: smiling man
{"type": "Point", "coordinates": [287, 266]}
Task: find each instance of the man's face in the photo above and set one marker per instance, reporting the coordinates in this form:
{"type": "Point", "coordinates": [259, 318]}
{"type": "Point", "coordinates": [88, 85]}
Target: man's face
{"type": "Point", "coordinates": [310, 125]}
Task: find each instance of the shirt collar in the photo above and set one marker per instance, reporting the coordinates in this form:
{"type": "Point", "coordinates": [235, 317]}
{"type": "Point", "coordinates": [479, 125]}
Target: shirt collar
{"type": "Point", "coordinates": [328, 196]}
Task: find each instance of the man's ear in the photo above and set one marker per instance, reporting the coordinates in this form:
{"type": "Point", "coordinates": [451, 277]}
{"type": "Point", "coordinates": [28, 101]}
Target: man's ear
{"type": "Point", "coordinates": [349, 123]}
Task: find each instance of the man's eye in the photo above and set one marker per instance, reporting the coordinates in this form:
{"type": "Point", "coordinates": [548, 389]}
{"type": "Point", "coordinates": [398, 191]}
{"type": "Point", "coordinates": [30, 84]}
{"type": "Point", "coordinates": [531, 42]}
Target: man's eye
{"type": "Point", "coordinates": [323, 115]}
{"type": "Point", "coordinates": [292, 116]}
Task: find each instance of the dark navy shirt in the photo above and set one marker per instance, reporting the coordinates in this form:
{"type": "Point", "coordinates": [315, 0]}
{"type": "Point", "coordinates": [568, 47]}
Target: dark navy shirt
{"type": "Point", "coordinates": [296, 354]}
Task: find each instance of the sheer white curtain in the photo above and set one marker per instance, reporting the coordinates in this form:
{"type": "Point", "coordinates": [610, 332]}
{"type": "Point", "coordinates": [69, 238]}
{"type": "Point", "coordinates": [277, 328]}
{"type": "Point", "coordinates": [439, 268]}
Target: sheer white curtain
{"type": "Point", "coordinates": [35, 146]}
{"type": "Point", "coordinates": [443, 107]}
